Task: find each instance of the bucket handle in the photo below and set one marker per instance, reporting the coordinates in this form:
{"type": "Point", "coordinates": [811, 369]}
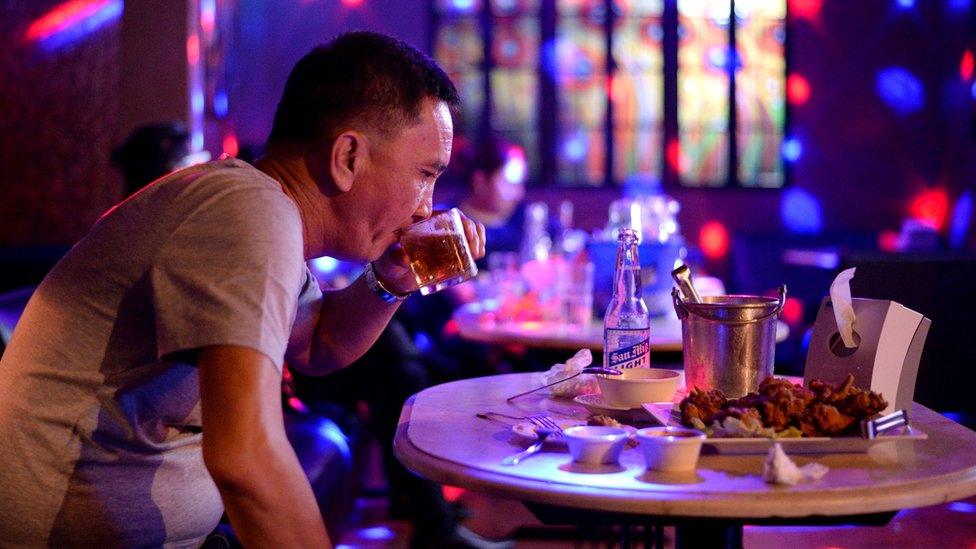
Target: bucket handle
{"type": "Point", "coordinates": [683, 311]}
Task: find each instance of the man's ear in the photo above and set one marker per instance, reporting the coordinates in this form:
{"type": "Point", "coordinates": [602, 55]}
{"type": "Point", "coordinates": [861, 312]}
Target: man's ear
{"type": "Point", "coordinates": [347, 159]}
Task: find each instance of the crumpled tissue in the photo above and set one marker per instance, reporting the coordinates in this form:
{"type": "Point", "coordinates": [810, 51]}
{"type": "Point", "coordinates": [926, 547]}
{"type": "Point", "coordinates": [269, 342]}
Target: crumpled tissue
{"type": "Point", "coordinates": [780, 469]}
{"type": "Point", "coordinates": [577, 386]}
{"type": "Point", "coordinates": [840, 298]}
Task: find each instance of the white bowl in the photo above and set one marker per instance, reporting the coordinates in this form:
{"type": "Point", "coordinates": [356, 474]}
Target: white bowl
{"type": "Point", "coordinates": [595, 444]}
{"type": "Point", "coordinates": [635, 386]}
{"type": "Point", "coordinates": [670, 448]}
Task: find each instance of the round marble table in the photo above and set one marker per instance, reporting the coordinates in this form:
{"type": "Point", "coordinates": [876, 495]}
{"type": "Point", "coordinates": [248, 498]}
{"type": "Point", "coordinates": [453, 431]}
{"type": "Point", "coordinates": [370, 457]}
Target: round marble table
{"type": "Point", "coordinates": [440, 438]}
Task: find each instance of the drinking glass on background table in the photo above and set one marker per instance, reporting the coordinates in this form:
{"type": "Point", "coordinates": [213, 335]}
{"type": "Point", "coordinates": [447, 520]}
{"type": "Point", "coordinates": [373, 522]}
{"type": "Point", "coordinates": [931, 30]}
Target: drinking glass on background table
{"type": "Point", "coordinates": [574, 291]}
{"type": "Point", "coordinates": [438, 251]}
{"type": "Point", "coordinates": [507, 285]}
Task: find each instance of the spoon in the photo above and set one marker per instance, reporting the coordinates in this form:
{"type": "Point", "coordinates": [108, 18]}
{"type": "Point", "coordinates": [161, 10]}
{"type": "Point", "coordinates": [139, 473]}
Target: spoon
{"type": "Point", "coordinates": [588, 370]}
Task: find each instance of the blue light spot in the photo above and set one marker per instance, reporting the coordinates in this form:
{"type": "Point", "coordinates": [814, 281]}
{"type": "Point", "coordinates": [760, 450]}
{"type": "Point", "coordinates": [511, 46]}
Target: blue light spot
{"type": "Point", "coordinates": [220, 104]}
{"type": "Point", "coordinates": [377, 533]}
{"type": "Point", "coordinates": [901, 90]}
{"type": "Point", "coordinates": [905, 4]}
{"type": "Point", "coordinates": [574, 149]}
{"type": "Point", "coordinates": [325, 264]}
{"type": "Point", "coordinates": [962, 507]}
{"type": "Point", "coordinates": [962, 217]}
{"type": "Point", "coordinates": [957, 5]}
{"type": "Point", "coordinates": [196, 101]}
{"type": "Point", "coordinates": [196, 140]}
{"type": "Point", "coordinates": [800, 212]}
{"type": "Point", "coordinates": [972, 90]}
{"type": "Point", "coordinates": [422, 341]}
{"type": "Point", "coordinates": [462, 5]}
{"type": "Point", "coordinates": [717, 57]}
{"type": "Point", "coordinates": [792, 149]}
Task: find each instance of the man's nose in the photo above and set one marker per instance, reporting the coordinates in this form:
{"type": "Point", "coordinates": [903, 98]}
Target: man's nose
{"type": "Point", "coordinates": [425, 209]}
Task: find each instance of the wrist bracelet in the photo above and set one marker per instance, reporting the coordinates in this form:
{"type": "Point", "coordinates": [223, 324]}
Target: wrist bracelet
{"type": "Point", "coordinates": [374, 284]}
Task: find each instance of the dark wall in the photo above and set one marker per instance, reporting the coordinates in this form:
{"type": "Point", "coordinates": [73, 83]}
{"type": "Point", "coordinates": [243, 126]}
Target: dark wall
{"type": "Point", "coordinates": [271, 36]}
{"type": "Point", "coordinates": [58, 115]}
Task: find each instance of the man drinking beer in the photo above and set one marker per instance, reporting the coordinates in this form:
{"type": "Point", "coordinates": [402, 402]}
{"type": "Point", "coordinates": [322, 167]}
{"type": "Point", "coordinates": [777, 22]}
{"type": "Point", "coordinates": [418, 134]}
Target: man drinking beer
{"type": "Point", "coordinates": [140, 393]}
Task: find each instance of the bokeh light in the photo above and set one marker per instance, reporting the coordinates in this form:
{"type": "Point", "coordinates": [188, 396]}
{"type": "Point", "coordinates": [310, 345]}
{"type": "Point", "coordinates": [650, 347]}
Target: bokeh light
{"type": "Point", "coordinates": [800, 212]}
{"type": "Point", "coordinates": [900, 89]}
{"type": "Point", "coordinates": [930, 207]}
{"type": "Point", "coordinates": [714, 240]}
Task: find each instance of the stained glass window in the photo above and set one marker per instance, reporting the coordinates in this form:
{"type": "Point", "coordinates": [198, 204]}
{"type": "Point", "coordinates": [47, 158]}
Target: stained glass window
{"type": "Point", "coordinates": [760, 100]}
{"type": "Point", "coordinates": [581, 84]}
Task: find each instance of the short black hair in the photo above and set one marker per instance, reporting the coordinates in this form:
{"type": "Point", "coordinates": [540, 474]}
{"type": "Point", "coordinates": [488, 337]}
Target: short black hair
{"type": "Point", "coordinates": [363, 77]}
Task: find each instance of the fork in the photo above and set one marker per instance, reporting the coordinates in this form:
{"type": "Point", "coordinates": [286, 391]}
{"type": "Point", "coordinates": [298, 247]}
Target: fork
{"type": "Point", "coordinates": [545, 421]}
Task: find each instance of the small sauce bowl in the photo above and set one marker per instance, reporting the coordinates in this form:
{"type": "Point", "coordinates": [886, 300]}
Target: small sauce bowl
{"type": "Point", "coordinates": [670, 448]}
{"type": "Point", "coordinates": [595, 444]}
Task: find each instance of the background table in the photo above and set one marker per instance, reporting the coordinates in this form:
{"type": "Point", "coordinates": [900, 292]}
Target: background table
{"type": "Point", "coordinates": [474, 325]}
{"type": "Point", "coordinates": [440, 438]}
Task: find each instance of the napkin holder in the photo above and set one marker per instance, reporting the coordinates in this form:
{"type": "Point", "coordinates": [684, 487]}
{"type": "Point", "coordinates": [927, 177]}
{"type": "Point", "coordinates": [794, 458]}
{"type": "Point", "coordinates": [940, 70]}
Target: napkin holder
{"type": "Point", "coordinates": [889, 337]}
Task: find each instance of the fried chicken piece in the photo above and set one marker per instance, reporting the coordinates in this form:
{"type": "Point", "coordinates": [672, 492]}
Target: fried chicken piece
{"type": "Point", "coordinates": [702, 405]}
{"type": "Point", "coordinates": [771, 384]}
{"type": "Point", "coordinates": [603, 421]}
{"type": "Point", "coordinates": [828, 419]}
{"type": "Point", "coordinates": [862, 404]}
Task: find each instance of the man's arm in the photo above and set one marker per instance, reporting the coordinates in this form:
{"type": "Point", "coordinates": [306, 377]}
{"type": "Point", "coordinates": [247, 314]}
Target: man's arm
{"type": "Point", "coordinates": [345, 323]}
{"type": "Point", "coordinates": [264, 489]}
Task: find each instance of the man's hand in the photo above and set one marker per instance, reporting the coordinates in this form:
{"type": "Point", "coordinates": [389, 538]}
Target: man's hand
{"type": "Point", "coordinates": [393, 267]}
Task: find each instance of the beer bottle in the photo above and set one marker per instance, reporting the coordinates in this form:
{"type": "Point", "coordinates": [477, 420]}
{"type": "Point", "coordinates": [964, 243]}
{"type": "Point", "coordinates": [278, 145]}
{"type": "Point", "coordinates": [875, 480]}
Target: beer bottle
{"type": "Point", "coordinates": [626, 325]}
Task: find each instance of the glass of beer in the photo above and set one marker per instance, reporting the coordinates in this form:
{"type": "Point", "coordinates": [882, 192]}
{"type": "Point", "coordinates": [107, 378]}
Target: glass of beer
{"type": "Point", "coordinates": [438, 251]}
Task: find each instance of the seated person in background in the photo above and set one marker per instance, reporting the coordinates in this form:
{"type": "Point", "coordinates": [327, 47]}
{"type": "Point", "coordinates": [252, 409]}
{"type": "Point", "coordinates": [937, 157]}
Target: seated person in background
{"type": "Point", "coordinates": [153, 151]}
{"type": "Point", "coordinates": [174, 315]}
{"type": "Point", "coordinates": [495, 187]}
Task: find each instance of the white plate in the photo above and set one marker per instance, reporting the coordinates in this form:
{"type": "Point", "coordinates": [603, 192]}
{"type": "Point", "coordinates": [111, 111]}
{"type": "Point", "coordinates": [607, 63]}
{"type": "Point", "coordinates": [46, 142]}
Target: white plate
{"type": "Point", "coordinates": [595, 405]}
{"type": "Point", "coordinates": [526, 430]}
{"type": "Point", "coordinates": [662, 411]}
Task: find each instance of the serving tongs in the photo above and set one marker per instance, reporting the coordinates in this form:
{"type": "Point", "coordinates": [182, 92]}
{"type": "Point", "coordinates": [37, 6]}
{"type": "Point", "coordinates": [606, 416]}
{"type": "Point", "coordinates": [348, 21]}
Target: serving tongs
{"type": "Point", "coordinates": [587, 370]}
{"type": "Point", "coordinates": [872, 428]}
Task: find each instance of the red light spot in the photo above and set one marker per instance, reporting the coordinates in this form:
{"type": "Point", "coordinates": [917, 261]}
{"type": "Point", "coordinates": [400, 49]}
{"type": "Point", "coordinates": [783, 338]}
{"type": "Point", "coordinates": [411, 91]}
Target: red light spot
{"type": "Point", "coordinates": [230, 144]}
{"type": "Point", "coordinates": [451, 328]}
{"type": "Point", "coordinates": [714, 240]}
{"type": "Point", "coordinates": [452, 493]}
{"type": "Point", "coordinates": [966, 66]}
{"type": "Point", "coordinates": [793, 311]}
{"type": "Point", "coordinates": [797, 89]}
{"type": "Point", "coordinates": [676, 159]}
{"type": "Point", "coordinates": [62, 16]}
{"type": "Point", "coordinates": [193, 49]}
{"type": "Point", "coordinates": [352, 3]}
{"type": "Point", "coordinates": [807, 9]}
{"type": "Point", "coordinates": [889, 241]}
{"type": "Point", "coordinates": [931, 207]}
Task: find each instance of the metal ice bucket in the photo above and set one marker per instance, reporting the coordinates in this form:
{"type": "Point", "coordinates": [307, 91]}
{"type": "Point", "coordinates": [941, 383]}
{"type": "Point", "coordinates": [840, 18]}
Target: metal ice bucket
{"type": "Point", "coordinates": [728, 341]}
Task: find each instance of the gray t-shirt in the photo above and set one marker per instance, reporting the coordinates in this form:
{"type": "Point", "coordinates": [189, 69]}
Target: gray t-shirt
{"type": "Point", "coordinates": [100, 428]}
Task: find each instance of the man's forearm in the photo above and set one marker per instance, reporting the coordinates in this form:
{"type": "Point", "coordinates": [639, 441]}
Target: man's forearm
{"type": "Point", "coordinates": [270, 503]}
{"type": "Point", "coordinates": [350, 321]}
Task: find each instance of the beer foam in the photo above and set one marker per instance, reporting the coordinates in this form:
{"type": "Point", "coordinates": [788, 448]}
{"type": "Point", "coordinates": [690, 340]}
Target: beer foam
{"type": "Point", "coordinates": [428, 233]}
